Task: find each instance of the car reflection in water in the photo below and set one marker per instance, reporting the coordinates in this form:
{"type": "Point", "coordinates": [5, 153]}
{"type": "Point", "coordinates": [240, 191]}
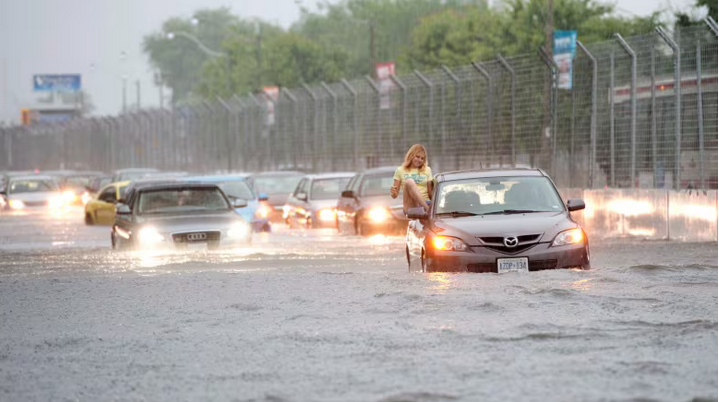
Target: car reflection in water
{"type": "Point", "coordinates": [496, 221]}
{"type": "Point", "coordinates": [179, 215]}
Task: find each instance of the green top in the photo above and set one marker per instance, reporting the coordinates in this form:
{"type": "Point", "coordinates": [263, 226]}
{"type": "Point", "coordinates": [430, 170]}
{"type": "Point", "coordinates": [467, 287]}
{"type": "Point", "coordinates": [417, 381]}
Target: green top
{"type": "Point", "coordinates": [421, 178]}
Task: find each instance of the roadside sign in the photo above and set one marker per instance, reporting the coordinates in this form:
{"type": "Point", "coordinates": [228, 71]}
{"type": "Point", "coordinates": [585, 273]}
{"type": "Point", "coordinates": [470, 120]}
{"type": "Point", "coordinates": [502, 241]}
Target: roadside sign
{"type": "Point", "coordinates": [56, 82]}
{"type": "Point", "coordinates": [384, 71]}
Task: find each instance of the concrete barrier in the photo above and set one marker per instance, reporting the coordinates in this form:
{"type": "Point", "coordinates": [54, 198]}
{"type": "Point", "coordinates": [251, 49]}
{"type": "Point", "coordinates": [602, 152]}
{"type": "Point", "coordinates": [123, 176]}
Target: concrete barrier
{"type": "Point", "coordinates": [648, 214]}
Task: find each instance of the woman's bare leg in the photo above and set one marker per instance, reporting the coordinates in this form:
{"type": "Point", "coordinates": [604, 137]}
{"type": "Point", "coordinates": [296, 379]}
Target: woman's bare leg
{"type": "Point", "coordinates": [412, 197]}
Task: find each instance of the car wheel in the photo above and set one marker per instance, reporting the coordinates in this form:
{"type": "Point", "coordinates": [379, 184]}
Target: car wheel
{"type": "Point", "coordinates": [423, 262]}
{"type": "Point", "coordinates": [266, 228]}
{"type": "Point", "coordinates": [409, 261]}
{"type": "Point", "coordinates": [112, 241]}
{"type": "Point", "coordinates": [88, 219]}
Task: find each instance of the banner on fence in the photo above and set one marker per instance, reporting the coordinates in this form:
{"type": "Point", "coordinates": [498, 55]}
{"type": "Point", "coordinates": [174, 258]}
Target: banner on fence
{"type": "Point", "coordinates": [384, 72]}
{"type": "Point", "coordinates": [563, 51]}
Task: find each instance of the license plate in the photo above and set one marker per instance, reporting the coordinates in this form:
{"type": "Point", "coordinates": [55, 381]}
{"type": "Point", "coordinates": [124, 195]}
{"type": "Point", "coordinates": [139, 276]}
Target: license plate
{"type": "Point", "coordinates": [512, 265]}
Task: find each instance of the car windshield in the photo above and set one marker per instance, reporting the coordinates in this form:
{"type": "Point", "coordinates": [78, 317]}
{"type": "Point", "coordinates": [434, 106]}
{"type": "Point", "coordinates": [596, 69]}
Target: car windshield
{"type": "Point", "coordinates": [497, 195]}
{"type": "Point", "coordinates": [376, 185]}
{"type": "Point", "coordinates": [328, 189]}
{"type": "Point", "coordinates": [276, 184]}
{"type": "Point", "coordinates": [32, 186]}
{"type": "Point", "coordinates": [238, 189]}
{"type": "Point", "coordinates": [181, 200]}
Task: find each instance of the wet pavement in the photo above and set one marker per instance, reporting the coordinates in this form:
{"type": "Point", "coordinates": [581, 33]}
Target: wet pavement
{"type": "Point", "coordinates": [313, 316]}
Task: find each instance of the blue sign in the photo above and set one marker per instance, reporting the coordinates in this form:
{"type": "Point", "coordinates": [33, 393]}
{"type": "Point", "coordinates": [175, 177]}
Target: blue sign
{"type": "Point", "coordinates": [56, 82]}
{"type": "Point", "coordinates": [563, 51]}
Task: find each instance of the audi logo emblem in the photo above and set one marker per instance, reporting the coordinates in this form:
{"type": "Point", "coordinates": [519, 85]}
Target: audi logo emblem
{"type": "Point", "coordinates": [196, 236]}
{"type": "Point", "coordinates": [511, 242]}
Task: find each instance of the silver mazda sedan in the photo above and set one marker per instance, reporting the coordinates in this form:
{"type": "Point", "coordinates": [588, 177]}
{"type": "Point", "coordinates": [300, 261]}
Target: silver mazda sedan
{"type": "Point", "coordinates": [496, 221]}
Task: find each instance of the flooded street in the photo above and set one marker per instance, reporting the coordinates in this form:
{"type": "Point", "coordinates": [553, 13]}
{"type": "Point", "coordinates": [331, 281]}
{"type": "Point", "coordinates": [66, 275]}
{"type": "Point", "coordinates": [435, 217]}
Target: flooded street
{"type": "Point", "coordinates": [314, 316]}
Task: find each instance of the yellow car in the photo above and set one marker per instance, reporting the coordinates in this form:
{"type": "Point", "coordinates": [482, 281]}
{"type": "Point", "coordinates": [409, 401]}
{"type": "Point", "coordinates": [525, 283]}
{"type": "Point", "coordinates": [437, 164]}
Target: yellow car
{"type": "Point", "coordinates": [100, 210]}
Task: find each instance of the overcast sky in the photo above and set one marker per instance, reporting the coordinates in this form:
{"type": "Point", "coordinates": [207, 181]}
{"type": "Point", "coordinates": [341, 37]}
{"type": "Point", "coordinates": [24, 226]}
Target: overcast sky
{"type": "Point", "coordinates": [87, 37]}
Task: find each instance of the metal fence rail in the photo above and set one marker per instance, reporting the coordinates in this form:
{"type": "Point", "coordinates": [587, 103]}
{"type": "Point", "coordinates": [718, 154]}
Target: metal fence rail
{"type": "Point", "coordinates": [642, 113]}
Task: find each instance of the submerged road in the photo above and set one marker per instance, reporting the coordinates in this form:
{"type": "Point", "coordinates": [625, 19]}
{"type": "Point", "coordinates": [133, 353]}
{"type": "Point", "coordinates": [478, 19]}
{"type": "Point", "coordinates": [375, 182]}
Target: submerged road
{"type": "Point", "coordinates": [314, 316]}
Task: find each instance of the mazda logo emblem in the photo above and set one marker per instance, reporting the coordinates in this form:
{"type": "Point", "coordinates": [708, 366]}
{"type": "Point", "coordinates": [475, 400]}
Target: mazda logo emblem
{"type": "Point", "coordinates": [196, 236]}
{"type": "Point", "coordinates": [511, 241]}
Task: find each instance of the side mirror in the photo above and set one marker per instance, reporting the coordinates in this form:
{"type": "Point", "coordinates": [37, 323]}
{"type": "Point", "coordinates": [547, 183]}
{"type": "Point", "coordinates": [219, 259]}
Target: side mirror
{"type": "Point", "coordinates": [575, 204]}
{"type": "Point", "coordinates": [122, 209]}
{"type": "Point", "coordinates": [416, 213]}
{"type": "Point", "coordinates": [239, 203]}
{"type": "Point", "coordinates": [302, 196]}
{"type": "Point", "coordinates": [263, 197]}
{"type": "Point", "coordinates": [348, 194]}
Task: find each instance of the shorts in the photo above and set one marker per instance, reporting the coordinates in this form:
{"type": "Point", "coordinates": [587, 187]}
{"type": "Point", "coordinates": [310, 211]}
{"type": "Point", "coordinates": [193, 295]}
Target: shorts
{"type": "Point", "coordinates": [405, 212]}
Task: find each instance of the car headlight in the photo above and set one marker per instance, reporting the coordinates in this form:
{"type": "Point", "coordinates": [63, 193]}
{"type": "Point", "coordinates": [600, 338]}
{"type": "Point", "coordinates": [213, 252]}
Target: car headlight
{"type": "Point", "coordinates": [149, 235]}
{"type": "Point", "coordinates": [263, 211]}
{"type": "Point", "coordinates": [238, 231]}
{"type": "Point", "coordinates": [327, 214]}
{"type": "Point", "coordinates": [379, 214]}
{"type": "Point", "coordinates": [56, 202]}
{"type": "Point", "coordinates": [285, 211]}
{"type": "Point", "coordinates": [571, 236]}
{"type": "Point", "coordinates": [16, 204]}
{"type": "Point", "coordinates": [446, 243]}
{"type": "Point", "coordinates": [69, 196]}
{"type": "Point", "coordinates": [85, 198]}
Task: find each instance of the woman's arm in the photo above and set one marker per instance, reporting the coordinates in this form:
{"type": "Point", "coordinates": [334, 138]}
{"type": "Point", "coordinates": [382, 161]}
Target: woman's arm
{"type": "Point", "coordinates": [430, 188]}
{"type": "Point", "coordinates": [394, 190]}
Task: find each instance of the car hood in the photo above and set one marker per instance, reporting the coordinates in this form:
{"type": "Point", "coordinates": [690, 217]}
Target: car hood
{"type": "Point", "coordinates": [471, 227]}
{"type": "Point", "coordinates": [319, 204]}
{"type": "Point", "coordinates": [182, 223]}
{"type": "Point", "coordinates": [34, 197]}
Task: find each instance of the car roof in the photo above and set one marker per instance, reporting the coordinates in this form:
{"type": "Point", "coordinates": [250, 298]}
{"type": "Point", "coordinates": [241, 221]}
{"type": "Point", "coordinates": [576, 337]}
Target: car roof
{"type": "Point", "coordinates": [379, 170]}
{"type": "Point", "coordinates": [278, 173]}
{"type": "Point", "coordinates": [33, 177]}
{"type": "Point", "coordinates": [480, 173]}
{"type": "Point", "coordinates": [333, 175]}
{"type": "Point", "coordinates": [132, 170]}
{"type": "Point", "coordinates": [175, 185]}
{"type": "Point", "coordinates": [216, 178]}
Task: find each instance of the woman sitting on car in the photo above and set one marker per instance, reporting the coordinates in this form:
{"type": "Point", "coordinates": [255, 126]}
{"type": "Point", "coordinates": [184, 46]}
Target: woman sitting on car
{"type": "Point", "coordinates": [415, 177]}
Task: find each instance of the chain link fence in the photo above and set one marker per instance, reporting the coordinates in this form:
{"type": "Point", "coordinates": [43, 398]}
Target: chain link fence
{"type": "Point", "coordinates": [641, 113]}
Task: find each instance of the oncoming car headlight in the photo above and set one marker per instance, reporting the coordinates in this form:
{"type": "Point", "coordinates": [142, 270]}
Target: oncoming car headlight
{"type": "Point", "coordinates": [571, 236]}
{"type": "Point", "coordinates": [379, 214]}
{"type": "Point", "coordinates": [69, 196]}
{"type": "Point", "coordinates": [149, 235]}
{"type": "Point", "coordinates": [446, 243]}
{"type": "Point", "coordinates": [56, 202]}
{"type": "Point", "coordinates": [238, 231]}
{"type": "Point", "coordinates": [16, 204]}
{"type": "Point", "coordinates": [263, 211]}
{"type": "Point", "coordinates": [327, 214]}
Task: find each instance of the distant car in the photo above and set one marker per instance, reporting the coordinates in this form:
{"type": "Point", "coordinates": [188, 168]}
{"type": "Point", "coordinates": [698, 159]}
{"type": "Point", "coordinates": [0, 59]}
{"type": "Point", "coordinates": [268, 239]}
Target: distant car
{"type": "Point", "coordinates": [496, 221]}
{"type": "Point", "coordinates": [365, 206]}
{"type": "Point", "coordinates": [100, 210]}
{"type": "Point", "coordinates": [27, 192]}
{"type": "Point", "coordinates": [132, 174]}
{"type": "Point", "coordinates": [313, 204]}
{"type": "Point", "coordinates": [74, 186]}
{"type": "Point", "coordinates": [179, 215]}
{"type": "Point", "coordinates": [257, 211]}
{"type": "Point", "coordinates": [277, 186]}
{"type": "Point", "coordinates": [93, 186]}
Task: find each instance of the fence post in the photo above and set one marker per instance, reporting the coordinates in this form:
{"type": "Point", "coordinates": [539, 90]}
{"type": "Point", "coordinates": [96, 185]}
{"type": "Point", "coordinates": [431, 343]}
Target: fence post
{"type": "Point", "coordinates": [553, 69]}
{"type": "Point", "coordinates": [611, 118]}
{"type": "Point", "coordinates": [712, 24]}
{"type": "Point", "coordinates": [457, 97]}
{"type": "Point", "coordinates": [513, 87]}
{"type": "Point", "coordinates": [243, 132]}
{"type": "Point", "coordinates": [700, 115]}
{"type": "Point", "coordinates": [633, 55]}
{"type": "Point", "coordinates": [292, 99]}
{"type": "Point", "coordinates": [430, 86]}
{"type": "Point", "coordinates": [229, 144]}
{"type": "Point", "coordinates": [403, 88]}
{"type": "Point", "coordinates": [253, 124]}
{"type": "Point", "coordinates": [314, 126]}
{"type": "Point", "coordinates": [355, 134]}
{"type": "Point", "coordinates": [377, 121]}
{"type": "Point", "coordinates": [677, 104]}
{"type": "Point", "coordinates": [334, 124]}
{"type": "Point", "coordinates": [593, 119]}
{"type": "Point", "coordinates": [488, 77]}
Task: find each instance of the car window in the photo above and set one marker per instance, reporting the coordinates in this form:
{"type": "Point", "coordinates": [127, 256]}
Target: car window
{"type": "Point", "coordinates": [328, 189]}
{"type": "Point", "coordinates": [350, 183]}
{"type": "Point", "coordinates": [181, 200]}
{"type": "Point", "coordinates": [32, 186]}
{"type": "Point", "coordinates": [376, 185]}
{"type": "Point", "coordinates": [488, 195]}
{"type": "Point", "coordinates": [237, 189]}
{"type": "Point", "coordinates": [276, 184]}
{"type": "Point", "coordinates": [108, 195]}
{"type": "Point", "coordinates": [301, 187]}
{"type": "Point", "coordinates": [356, 184]}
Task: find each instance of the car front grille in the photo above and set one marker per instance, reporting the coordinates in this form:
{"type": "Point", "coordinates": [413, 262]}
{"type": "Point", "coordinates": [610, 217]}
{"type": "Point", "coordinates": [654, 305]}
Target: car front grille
{"type": "Point", "coordinates": [196, 237]}
{"type": "Point", "coordinates": [524, 243]}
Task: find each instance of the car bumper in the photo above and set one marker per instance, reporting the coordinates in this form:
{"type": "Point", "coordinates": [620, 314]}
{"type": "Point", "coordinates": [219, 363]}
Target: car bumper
{"type": "Point", "coordinates": [483, 259]}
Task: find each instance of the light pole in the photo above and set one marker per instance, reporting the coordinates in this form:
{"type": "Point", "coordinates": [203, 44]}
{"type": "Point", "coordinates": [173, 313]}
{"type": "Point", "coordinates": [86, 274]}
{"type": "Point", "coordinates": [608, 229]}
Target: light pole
{"type": "Point", "coordinates": [206, 50]}
{"type": "Point", "coordinates": [373, 59]}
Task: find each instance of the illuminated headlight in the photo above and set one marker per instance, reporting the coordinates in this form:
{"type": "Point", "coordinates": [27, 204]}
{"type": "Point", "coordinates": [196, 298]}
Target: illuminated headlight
{"type": "Point", "coordinates": [379, 214]}
{"type": "Point", "coordinates": [16, 204]}
{"type": "Point", "coordinates": [85, 198]}
{"type": "Point", "coordinates": [571, 236]}
{"type": "Point", "coordinates": [446, 243]}
{"type": "Point", "coordinates": [238, 231]}
{"type": "Point", "coordinates": [263, 211]}
{"type": "Point", "coordinates": [56, 202]}
{"type": "Point", "coordinates": [285, 211]}
{"type": "Point", "coordinates": [69, 196]}
{"type": "Point", "coordinates": [149, 235]}
{"type": "Point", "coordinates": [327, 214]}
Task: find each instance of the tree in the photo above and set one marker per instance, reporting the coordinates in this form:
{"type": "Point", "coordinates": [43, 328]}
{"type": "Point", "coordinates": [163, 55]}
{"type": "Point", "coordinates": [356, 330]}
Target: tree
{"type": "Point", "coordinates": [180, 60]}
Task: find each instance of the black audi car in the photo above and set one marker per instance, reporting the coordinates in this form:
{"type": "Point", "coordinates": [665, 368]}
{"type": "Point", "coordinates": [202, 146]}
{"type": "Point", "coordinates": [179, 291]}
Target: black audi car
{"type": "Point", "coordinates": [496, 221]}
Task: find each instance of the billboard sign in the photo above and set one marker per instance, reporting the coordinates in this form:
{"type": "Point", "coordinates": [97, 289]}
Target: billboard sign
{"type": "Point", "coordinates": [56, 82]}
{"type": "Point", "coordinates": [564, 49]}
{"type": "Point", "coordinates": [384, 71]}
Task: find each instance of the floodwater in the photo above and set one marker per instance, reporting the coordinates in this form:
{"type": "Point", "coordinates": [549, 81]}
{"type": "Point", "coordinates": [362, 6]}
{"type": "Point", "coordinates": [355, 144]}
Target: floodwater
{"type": "Point", "coordinates": [313, 316]}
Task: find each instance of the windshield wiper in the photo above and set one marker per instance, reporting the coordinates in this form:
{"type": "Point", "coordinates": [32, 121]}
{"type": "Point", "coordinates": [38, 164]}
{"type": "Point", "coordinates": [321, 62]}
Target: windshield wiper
{"type": "Point", "coordinates": [511, 211]}
{"type": "Point", "coordinates": [455, 214]}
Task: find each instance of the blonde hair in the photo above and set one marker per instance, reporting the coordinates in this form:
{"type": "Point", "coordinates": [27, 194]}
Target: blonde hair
{"type": "Point", "coordinates": [414, 151]}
